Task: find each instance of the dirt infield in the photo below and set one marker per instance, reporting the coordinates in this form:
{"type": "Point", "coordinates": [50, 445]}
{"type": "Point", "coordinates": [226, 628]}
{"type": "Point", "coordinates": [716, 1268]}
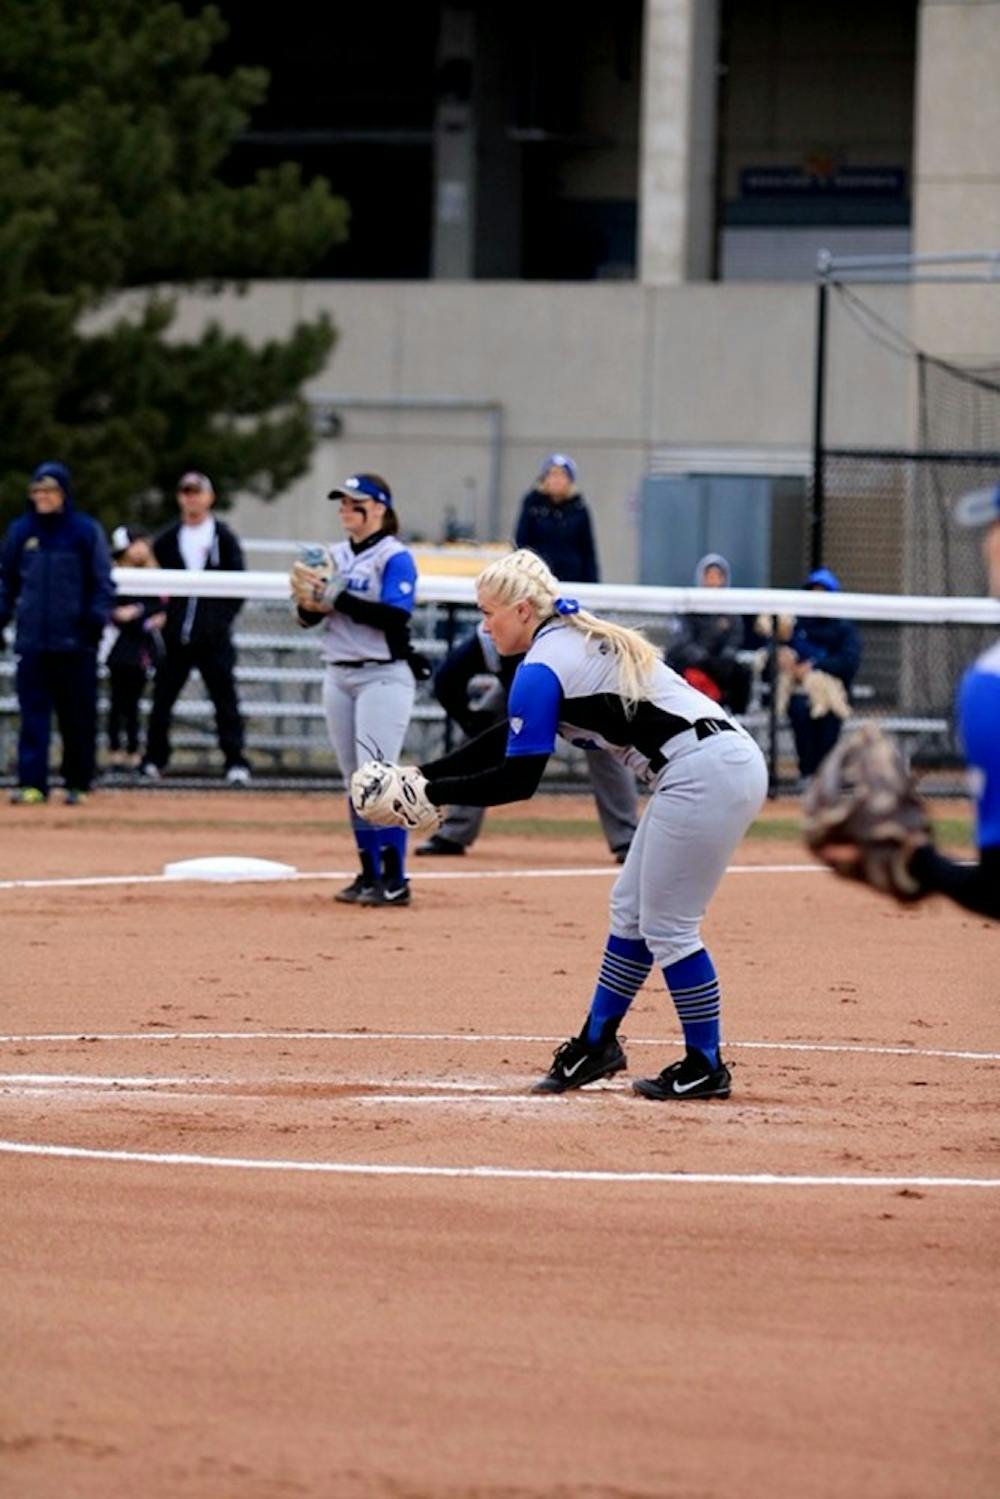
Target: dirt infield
{"type": "Point", "coordinates": [280, 1217]}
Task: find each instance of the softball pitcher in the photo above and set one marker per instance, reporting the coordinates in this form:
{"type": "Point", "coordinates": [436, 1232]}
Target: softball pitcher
{"type": "Point", "coordinates": [361, 593]}
{"type": "Point", "coordinates": [597, 683]}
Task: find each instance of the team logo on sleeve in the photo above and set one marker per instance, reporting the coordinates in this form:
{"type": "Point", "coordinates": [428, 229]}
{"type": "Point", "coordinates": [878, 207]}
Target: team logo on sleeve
{"type": "Point", "coordinates": [516, 725]}
{"type": "Point", "coordinates": [405, 587]}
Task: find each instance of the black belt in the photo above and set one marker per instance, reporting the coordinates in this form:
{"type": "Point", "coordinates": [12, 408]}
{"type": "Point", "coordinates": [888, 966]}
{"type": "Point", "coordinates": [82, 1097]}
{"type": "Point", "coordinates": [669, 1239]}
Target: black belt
{"type": "Point", "coordinates": [362, 663]}
{"type": "Point", "coordinates": [704, 728]}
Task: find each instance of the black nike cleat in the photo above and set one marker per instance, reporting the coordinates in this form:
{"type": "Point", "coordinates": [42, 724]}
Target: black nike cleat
{"type": "Point", "coordinates": [575, 1063]}
{"type": "Point", "coordinates": [354, 892]}
{"type": "Point", "coordinates": [386, 893]}
{"type": "Point", "coordinates": [692, 1077]}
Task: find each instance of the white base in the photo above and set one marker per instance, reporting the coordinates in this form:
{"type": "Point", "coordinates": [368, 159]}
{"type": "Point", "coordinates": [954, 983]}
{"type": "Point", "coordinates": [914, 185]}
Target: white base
{"type": "Point", "coordinates": [229, 867]}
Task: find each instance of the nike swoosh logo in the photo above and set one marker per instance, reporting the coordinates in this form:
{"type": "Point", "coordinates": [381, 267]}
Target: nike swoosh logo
{"type": "Point", "coordinates": [686, 1087]}
{"type": "Point", "coordinates": [569, 1071]}
{"type": "Point", "coordinates": [395, 894]}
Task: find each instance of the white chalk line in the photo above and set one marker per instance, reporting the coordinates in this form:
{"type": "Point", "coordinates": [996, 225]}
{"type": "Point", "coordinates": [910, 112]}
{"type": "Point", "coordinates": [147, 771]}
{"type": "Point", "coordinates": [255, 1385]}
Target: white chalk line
{"type": "Point", "coordinates": [481, 1038]}
{"type": "Point", "coordinates": [82, 881]}
{"type": "Point", "coordinates": [492, 1173]}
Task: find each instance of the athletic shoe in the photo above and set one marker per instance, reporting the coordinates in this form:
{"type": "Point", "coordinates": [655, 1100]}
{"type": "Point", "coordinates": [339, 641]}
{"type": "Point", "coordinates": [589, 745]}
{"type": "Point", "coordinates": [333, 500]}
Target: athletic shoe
{"type": "Point", "coordinates": [386, 893]}
{"type": "Point", "coordinates": [574, 1064]}
{"type": "Point", "coordinates": [441, 846]}
{"type": "Point", "coordinates": [75, 797]}
{"type": "Point", "coordinates": [28, 796]}
{"type": "Point", "coordinates": [150, 772]}
{"type": "Point", "coordinates": [352, 893]}
{"type": "Point", "coordinates": [692, 1077]}
{"type": "Point", "coordinates": [238, 775]}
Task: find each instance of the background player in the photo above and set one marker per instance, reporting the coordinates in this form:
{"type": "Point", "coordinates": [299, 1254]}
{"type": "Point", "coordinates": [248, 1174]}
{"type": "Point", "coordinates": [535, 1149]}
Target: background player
{"type": "Point", "coordinates": [584, 677]}
{"type": "Point", "coordinates": [363, 603]}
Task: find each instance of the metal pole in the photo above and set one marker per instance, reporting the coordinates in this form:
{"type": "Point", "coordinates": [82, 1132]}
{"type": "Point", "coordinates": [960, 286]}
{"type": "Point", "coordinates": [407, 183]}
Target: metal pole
{"type": "Point", "coordinates": [772, 711]}
{"type": "Point", "coordinates": [819, 402]}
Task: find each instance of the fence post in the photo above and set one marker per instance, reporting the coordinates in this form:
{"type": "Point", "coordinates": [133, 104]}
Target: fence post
{"type": "Point", "coordinates": [772, 711]}
{"type": "Point", "coordinates": [819, 413]}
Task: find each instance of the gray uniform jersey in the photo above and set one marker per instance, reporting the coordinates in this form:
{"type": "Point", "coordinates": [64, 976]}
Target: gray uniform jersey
{"type": "Point", "coordinates": [384, 573]}
{"type": "Point", "coordinates": [568, 685]}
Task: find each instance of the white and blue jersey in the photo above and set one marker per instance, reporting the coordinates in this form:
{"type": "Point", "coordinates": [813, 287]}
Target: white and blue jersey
{"type": "Point", "coordinates": [567, 684]}
{"type": "Point", "coordinates": [979, 727]}
{"type": "Point", "coordinates": [383, 573]}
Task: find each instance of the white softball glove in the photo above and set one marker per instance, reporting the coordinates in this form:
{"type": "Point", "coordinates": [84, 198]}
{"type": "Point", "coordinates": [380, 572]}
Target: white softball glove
{"type": "Point", "coordinates": [393, 796]}
{"type": "Point", "coordinates": [314, 581]}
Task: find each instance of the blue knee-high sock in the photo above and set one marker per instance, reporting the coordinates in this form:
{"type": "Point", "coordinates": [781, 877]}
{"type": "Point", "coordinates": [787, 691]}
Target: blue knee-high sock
{"type": "Point", "coordinates": [694, 989]}
{"type": "Point", "coordinates": [392, 843]}
{"type": "Point", "coordinates": [626, 962]}
{"type": "Point", "coordinates": [368, 840]}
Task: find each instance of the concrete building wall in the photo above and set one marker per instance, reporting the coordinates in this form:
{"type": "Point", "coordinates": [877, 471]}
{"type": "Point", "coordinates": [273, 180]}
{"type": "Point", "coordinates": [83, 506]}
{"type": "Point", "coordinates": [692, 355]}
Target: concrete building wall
{"type": "Point", "coordinates": [957, 171]}
{"type": "Point", "coordinates": [610, 373]}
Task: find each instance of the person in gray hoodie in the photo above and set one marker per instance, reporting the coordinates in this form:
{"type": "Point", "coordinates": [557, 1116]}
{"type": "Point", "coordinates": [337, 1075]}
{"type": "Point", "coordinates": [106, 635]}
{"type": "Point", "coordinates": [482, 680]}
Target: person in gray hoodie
{"type": "Point", "coordinates": [704, 648]}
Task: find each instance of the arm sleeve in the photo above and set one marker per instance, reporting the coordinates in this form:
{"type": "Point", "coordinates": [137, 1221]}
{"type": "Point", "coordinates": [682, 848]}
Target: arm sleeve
{"type": "Point", "coordinates": [483, 752]}
{"type": "Point", "coordinates": [975, 886]}
{"type": "Point", "coordinates": [530, 738]}
{"type": "Point", "coordinates": [380, 616]}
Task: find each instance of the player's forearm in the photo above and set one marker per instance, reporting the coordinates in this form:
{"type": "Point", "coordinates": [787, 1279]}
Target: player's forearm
{"type": "Point", "coordinates": [514, 781]}
{"type": "Point", "coordinates": [485, 752]}
{"type": "Point", "coordinates": [371, 612]}
{"type": "Point", "coordinates": [974, 886]}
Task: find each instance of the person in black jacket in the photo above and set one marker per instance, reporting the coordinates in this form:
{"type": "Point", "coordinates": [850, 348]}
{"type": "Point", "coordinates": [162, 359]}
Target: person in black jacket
{"type": "Point", "coordinates": [137, 648]}
{"type": "Point", "coordinates": [198, 632]}
{"type": "Point", "coordinates": [55, 584]}
{"type": "Point", "coordinates": [555, 522]}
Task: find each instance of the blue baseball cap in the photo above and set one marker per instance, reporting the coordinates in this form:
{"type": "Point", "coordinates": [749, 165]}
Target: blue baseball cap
{"type": "Point", "coordinates": [363, 487]}
{"type": "Point", "coordinates": [979, 508]}
{"type": "Point", "coordinates": [560, 460]}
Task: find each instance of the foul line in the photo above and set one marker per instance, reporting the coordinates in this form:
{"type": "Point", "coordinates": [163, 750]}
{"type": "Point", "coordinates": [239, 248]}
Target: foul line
{"type": "Point", "coordinates": [437, 1037]}
{"type": "Point", "coordinates": [78, 882]}
{"type": "Point", "coordinates": [493, 1173]}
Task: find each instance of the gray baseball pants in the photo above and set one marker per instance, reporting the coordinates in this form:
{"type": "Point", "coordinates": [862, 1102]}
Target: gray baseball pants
{"type": "Point", "coordinates": [700, 806]}
{"type": "Point", "coordinates": [367, 711]}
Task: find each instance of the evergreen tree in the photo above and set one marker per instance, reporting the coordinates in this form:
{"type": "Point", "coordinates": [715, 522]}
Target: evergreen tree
{"type": "Point", "coordinates": [112, 135]}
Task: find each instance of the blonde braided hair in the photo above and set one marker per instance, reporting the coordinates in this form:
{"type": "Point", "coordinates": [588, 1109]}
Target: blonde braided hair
{"type": "Point", "coordinates": [522, 577]}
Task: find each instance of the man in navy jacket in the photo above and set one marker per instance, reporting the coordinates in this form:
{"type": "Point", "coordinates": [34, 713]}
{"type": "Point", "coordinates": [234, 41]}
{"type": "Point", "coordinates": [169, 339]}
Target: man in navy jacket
{"type": "Point", "coordinates": [55, 584]}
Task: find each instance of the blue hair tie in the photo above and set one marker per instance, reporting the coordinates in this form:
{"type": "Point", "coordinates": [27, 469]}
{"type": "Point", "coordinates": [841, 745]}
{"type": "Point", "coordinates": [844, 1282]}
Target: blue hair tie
{"type": "Point", "coordinates": [567, 606]}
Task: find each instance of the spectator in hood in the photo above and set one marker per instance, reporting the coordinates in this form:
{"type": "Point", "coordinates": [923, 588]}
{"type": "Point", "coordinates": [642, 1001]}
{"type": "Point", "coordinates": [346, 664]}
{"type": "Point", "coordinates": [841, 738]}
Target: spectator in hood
{"type": "Point", "coordinates": [198, 633]}
{"type": "Point", "coordinates": [555, 522]}
{"type": "Point", "coordinates": [704, 648]}
{"type": "Point", "coordinates": [55, 584]}
{"type": "Point", "coordinates": [831, 648]}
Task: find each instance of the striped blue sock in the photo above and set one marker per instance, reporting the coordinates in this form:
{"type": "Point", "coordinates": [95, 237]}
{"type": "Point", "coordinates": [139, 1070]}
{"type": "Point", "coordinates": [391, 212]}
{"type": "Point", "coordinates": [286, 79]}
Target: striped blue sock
{"type": "Point", "coordinates": [626, 963]}
{"type": "Point", "coordinates": [694, 989]}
